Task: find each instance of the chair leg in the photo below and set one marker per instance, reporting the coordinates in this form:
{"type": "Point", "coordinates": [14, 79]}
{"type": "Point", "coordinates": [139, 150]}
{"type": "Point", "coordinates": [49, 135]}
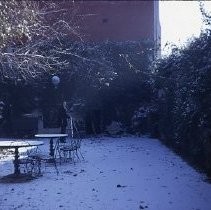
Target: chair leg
{"type": "Point", "coordinates": [76, 153]}
{"type": "Point", "coordinates": [60, 156]}
{"type": "Point", "coordinates": [31, 167]}
{"type": "Point", "coordinates": [81, 154]}
{"type": "Point", "coordinates": [38, 163]}
{"type": "Point", "coordinates": [55, 165]}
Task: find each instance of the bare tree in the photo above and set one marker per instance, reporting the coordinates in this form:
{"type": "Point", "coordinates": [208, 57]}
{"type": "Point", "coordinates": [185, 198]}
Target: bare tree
{"type": "Point", "coordinates": [28, 33]}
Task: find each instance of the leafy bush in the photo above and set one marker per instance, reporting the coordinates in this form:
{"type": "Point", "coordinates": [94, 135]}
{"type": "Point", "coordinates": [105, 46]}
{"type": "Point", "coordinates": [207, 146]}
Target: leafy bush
{"type": "Point", "coordinates": [185, 114]}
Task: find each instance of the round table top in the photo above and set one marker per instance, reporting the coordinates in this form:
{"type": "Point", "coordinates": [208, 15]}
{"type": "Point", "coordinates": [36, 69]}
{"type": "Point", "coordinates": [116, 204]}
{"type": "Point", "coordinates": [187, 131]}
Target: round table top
{"type": "Point", "coordinates": [13, 144]}
{"type": "Point", "coordinates": [52, 135]}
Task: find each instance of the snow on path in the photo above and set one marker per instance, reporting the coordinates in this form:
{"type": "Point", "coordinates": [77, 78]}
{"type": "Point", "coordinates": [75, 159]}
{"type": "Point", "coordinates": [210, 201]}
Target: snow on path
{"type": "Point", "coordinates": [126, 173]}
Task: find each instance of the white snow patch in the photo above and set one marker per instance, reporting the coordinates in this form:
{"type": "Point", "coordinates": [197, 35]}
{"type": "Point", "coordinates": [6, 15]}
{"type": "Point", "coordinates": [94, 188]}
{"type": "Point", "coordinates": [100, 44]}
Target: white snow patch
{"type": "Point", "coordinates": [117, 174]}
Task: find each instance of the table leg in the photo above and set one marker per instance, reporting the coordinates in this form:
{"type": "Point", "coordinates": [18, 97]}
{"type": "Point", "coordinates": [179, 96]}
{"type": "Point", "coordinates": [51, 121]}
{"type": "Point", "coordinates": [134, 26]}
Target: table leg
{"type": "Point", "coordinates": [16, 162]}
{"type": "Point", "coordinates": [51, 148]}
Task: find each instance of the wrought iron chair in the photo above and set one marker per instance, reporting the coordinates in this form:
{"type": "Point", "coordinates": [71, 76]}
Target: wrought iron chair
{"type": "Point", "coordinates": [70, 150]}
{"type": "Point", "coordinates": [46, 160]}
{"type": "Point", "coordinates": [35, 159]}
{"type": "Point", "coordinates": [26, 165]}
{"type": "Point", "coordinates": [29, 164]}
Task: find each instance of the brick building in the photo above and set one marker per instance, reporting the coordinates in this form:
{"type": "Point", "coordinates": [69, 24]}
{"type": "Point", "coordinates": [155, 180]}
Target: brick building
{"type": "Point", "coordinates": [114, 20]}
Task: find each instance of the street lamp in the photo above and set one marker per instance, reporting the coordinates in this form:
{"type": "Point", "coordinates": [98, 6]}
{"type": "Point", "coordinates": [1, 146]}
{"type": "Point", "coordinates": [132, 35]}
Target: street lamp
{"type": "Point", "coordinates": [55, 97]}
{"type": "Point", "coordinates": [55, 80]}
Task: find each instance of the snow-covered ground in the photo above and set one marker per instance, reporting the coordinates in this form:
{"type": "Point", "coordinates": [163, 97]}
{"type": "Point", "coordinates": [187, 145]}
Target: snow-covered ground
{"type": "Point", "coordinates": [126, 173]}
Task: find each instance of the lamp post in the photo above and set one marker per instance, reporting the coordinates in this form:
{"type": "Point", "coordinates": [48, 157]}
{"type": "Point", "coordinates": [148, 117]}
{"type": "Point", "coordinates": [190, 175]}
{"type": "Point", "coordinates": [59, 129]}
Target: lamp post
{"type": "Point", "coordinates": [55, 81]}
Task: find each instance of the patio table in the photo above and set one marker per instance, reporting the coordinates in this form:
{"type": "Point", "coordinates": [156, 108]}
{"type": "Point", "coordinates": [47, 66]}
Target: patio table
{"type": "Point", "coordinates": [51, 137]}
{"type": "Point", "coordinates": [16, 145]}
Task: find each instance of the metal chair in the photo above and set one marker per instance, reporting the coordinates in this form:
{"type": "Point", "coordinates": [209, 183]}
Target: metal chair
{"type": "Point", "coordinates": [70, 150]}
{"type": "Point", "coordinates": [29, 164]}
{"type": "Point", "coordinates": [26, 165]}
{"type": "Point", "coordinates": [40, 158]}
{"type": "Point", "coordinates": [46, 159]}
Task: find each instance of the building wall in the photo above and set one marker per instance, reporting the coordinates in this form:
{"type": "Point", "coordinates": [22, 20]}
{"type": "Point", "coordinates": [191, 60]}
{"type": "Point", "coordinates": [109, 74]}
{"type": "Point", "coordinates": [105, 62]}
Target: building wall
{"type": "Point", "coordinates": [112, 20]}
